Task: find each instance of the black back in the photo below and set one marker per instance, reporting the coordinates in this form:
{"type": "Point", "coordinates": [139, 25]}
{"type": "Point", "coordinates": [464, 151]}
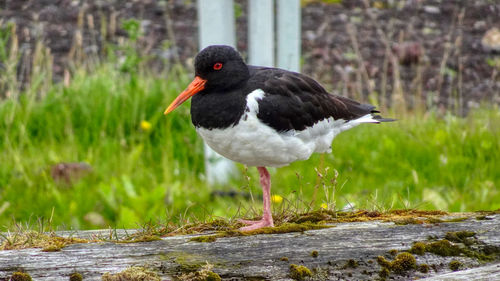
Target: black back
{"type": "Point", "coordinates": [295, 101]}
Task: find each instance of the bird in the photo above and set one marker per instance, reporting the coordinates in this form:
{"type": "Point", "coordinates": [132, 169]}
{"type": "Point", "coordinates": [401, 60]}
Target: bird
{"type": "Point", "coordinates": [265, 116]}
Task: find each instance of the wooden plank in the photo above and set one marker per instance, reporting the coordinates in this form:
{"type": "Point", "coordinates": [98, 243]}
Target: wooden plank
{"type": "Point", "coordinates": [487, 272]}
{"type": "Point", "coordinates": [261, 256]}
{"type": "Point", "coordinates": [216, 27]}
{"type": "Point", "coordinates": [261, 32]}
{"type": "Point", "coordinates": [288, 31]}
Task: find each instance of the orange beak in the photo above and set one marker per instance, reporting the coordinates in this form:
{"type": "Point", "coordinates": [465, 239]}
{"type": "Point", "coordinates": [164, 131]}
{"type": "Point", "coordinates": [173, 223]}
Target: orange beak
{"type": "Point", "coordinates": [194, 87]}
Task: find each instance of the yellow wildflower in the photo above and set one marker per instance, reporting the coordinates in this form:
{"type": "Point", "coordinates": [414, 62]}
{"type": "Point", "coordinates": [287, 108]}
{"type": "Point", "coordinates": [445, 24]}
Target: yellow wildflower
{"type": "Point", "coordinates": [324, 206]}
{"type": "Point", "coordinates": [145, 126]}
{"type": "Point", "coordinates": [276, 199]}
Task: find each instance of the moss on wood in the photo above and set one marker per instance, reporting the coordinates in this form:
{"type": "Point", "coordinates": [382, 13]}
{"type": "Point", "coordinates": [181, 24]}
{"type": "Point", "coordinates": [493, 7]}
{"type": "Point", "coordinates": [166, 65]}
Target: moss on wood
{"type": "Point", "coordinates": [424, 268]}
{"type": "Point", "coordinates": [351, 263]}
{"type": "Point", "coordinates": [141, 238]}
{"type": "Point", "coordinates": [402, 263]}
{"type": "Point", "coordinates": [204, 238]}
{"type": "Point", "coordinates": [299, 272]}
{"type": "Point", "coordinates": [33, 239]}
{"type": "Point", "coordinates": [283, 228]}
{"type": "Point", "coordinates": [455, 265]}
{"type": "Point", "coordinates": [135, 273]}
{"type": "Point", "coordinates": [20, 276]}
{"type": "Point", "coordinates": [418, 248]}
{"type": "Point", "coordinates": [75, 277]}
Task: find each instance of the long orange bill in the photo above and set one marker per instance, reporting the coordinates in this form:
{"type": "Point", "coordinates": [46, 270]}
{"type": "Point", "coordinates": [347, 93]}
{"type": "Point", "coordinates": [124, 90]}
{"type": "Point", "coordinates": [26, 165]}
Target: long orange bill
{"type": "Point", "coordinates": [194, 87]}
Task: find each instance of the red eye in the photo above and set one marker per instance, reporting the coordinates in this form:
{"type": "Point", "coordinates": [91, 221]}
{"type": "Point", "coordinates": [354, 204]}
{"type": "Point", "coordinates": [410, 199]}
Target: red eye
{"type": "Point", "coordinates": [218, 66]}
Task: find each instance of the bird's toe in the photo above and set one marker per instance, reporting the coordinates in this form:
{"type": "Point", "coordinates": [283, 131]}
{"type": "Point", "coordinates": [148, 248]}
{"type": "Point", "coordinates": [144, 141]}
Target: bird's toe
{"type": "Point", "coordinates": [253, 225]}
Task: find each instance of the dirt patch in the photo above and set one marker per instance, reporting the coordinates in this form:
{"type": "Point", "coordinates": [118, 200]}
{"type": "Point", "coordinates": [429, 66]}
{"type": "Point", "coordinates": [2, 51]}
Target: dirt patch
{"type": "Point", "coordinates": [441, 62]}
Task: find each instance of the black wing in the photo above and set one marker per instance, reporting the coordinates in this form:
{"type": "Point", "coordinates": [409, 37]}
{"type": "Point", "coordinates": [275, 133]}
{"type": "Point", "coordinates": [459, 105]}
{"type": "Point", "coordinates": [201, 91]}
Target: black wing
{"type": "Point", "coordinates": [294, 101]}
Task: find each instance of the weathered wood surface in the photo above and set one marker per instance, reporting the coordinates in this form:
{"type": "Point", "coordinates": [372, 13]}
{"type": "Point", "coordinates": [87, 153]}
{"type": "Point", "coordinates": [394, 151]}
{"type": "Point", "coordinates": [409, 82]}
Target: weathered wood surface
{"type": "Point", "coordinates": [259, 257]}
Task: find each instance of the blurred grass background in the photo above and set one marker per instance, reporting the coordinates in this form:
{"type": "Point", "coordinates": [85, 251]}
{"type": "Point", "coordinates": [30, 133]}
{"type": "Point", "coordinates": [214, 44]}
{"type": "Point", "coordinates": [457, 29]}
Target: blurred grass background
{"type": "Point", "coordinates": [149, 167]}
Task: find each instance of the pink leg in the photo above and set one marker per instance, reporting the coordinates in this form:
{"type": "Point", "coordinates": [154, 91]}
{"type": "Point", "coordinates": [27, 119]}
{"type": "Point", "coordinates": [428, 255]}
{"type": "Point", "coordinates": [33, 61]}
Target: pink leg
{"type": "Point", "coordinates": [267, 217]}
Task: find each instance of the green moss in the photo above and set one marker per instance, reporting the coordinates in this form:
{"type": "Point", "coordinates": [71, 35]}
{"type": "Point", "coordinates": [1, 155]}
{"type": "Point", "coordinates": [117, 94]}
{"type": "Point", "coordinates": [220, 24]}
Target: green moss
{"type": "Point", "coordinates": [383, 262]}
{"type": "Point", "coordinates": [284, 259]}
{"type": "Point", "coordinates": [286, 228]}
{"type": "Point", "coordinates": [56, 247]}
{"type": "Point", "coordinates": [443, 248]}
{"type": "Point", "coordinates": [141, 238]}
{"type": "Point", "coordinates": [204, 238]}
{"type": "Point", "coordinates": [481, 218]}
{"type": "Point", "coordinates": [408, 220]}
{"type": "Point", "coordinates": [314, 254]}
{"type": "Point", "coordinates": [220, 223]}
{"type": "Point", "coordinates": [188, 262]}
{"type": "Point", "coordinates": [439, 220]}
{"type": "Point", "coordinates": [384, 273]}
{"type": "Point", "coordinates": [418, 248]}
{"type": "Point", "coordinates": [393, 252]}
{"type": "Point", "coordinates": [75, 277]}
{"type": "Point", "coordinates": [401, 264]}
{"type": "Point", "coordinates": [455, 265]}
{"type": "Point", "coordinates": [188, 266]}
{"type": "Point", "coordinates": [299, 272]}
{"type": "Point", "coordinates": [313, 217]}
{"type": "Point", "coordinates": [461, 219]}
{"type": "Point", "coordinates": [434, 220]}
{"type": "Point", "coordinates": [147, 238]}
{"type": "Point", "coordinates": [212, 276]}
{"type": "Point", "coordinates": [34, 239]}
{"type": "Point", "coordinates": [424, 268]}
{"type": "Point", "coordinates": [20, 276]}
{"type": "Point", "coordinates": [135, 273]}
{"type": "Point", "coordinates": [351, 264]}
{"type": "Point", "coordinates": [461, 237]}
{"type": "Point", "coordinates": [204, 273]}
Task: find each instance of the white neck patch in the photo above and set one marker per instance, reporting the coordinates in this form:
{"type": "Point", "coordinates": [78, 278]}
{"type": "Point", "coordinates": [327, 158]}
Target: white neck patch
{"type": "Point", "coordinates": [252, 99]}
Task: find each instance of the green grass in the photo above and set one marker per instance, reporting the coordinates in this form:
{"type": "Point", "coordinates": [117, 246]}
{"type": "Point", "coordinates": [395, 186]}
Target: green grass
{"type": "Point", "coordinates": [137, 175]}
{"type": "Point", "coordinates": [422, 161]}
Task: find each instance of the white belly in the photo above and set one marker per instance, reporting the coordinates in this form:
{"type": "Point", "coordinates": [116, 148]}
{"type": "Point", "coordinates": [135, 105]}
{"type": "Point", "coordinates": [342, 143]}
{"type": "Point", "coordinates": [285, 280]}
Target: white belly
{"type": "Point", "coordinates": [255, 144]}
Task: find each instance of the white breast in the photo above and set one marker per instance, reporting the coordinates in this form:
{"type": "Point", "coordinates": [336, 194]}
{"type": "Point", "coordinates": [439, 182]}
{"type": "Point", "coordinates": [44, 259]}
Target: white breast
{"type": "Point", "coordinates": [253, 143]}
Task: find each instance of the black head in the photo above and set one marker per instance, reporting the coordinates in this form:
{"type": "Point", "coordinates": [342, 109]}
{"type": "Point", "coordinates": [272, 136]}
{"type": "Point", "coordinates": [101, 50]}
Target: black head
{"type": "Point", "coordinates": [221, 66]}
{"type": "Point", "coordinates": [218, 68]}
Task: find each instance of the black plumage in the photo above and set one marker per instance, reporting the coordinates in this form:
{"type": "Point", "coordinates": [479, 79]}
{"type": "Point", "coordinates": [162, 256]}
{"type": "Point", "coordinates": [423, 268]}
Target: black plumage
{"type": "Point", "coordinates": [295, 101]}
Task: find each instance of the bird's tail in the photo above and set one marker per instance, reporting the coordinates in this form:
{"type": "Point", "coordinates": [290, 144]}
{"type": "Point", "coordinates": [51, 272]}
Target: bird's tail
{"type": "Point", "coordinates": [379, 118]}
{"type": "Point", "coordinates": [372, 117]}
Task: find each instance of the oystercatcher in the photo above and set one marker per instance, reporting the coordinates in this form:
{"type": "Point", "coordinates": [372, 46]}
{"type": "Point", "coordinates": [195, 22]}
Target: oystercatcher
{"type": "Point", "coordinates": [262, 116]}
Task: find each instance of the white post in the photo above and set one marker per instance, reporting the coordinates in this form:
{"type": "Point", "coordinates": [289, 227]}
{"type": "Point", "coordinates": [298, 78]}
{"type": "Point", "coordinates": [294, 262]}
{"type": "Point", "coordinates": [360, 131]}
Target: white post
{"type": "Point", "coordinates": [216, 23]}
{"type": "Point", "coordinates": [288, 30]}
{"type": "Point", "coordinates": [261, 32]}
{"type": "Point", "coordinates": [216, 27]}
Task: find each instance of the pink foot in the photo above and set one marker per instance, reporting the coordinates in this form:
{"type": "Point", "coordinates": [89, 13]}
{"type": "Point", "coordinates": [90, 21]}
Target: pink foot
{"type": "Point", "coordinates": [252, 225]}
